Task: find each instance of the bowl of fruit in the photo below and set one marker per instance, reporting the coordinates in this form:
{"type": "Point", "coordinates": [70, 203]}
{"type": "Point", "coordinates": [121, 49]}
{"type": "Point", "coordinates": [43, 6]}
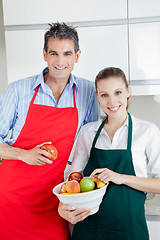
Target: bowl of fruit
{"type": "Point", "coordinates": [81, 192]}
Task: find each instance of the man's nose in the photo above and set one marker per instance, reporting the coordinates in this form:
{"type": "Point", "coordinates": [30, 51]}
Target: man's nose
{"type": "Point", "coordinates": [60, 60]}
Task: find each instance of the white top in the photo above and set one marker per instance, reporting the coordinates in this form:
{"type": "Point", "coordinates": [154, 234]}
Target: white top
{"type": "Point", "coordinates": [145, 145]}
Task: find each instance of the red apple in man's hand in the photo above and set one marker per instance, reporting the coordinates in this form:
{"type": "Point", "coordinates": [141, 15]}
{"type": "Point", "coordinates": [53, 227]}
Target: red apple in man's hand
{"type": "Point", "coordinates": [51, 149]}
{"type": "Point", "coordinates": [75, 176]}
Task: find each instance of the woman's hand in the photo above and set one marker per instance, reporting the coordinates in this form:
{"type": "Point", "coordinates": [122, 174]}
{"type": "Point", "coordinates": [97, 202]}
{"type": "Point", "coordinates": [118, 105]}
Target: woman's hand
{"type": "Point", "coordinates": [71, 215]}
{"type": "Point", "coordinates": [106, 175]}
{"type": "Point", "coordinates": [35, 156]}
{"type": "Point", "coordinates": [151, 185]}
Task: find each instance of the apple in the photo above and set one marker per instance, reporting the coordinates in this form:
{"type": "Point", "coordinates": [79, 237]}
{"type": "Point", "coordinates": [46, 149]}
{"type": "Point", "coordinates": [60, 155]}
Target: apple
{"type": "Point", "coordinates": [51, 149]}
{"type": "Point", "coordinates": [70, 187]}
{"type": "Point", "coordinates": [86, 184]}
{"type": "Point", "coordinates": [63, 188]}
{"type": "Point", "coordinates": [75, 176]}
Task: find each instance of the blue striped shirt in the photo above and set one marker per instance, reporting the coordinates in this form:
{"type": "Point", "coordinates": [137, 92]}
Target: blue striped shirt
{"type": "Point", "coordinates": [15, 101]}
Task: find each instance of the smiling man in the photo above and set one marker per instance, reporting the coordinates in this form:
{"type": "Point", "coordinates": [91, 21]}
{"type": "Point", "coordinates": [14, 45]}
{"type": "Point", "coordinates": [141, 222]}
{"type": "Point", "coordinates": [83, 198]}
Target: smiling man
{"type": "Point", "coordinates": [47, 108]}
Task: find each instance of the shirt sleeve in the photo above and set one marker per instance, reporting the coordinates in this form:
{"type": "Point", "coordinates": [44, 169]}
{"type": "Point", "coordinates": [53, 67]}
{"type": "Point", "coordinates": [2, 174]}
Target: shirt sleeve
{"type": "Point", "coordinates": [81, 153]}
{"type": "Point", "coordinates": [8, 105]}
{"type": "Point", "coordinates": [153, 150]}
{"type": "Point", "coordinates": [93, 112]}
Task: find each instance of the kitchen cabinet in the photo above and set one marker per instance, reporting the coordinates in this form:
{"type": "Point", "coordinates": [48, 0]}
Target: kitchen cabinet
{"type": "Point", "coordinates": [143, 8]}
{"type": "Point", "coordinates": [25, 51]}
{"type": "Point", "coordinates": [144, 52]}
{"type": "Point", "coordinates": [22, 12]}
{"type": "Point", "coordinates": [106, 46]}
{"type": "Point", "coordinates": [114, 33]}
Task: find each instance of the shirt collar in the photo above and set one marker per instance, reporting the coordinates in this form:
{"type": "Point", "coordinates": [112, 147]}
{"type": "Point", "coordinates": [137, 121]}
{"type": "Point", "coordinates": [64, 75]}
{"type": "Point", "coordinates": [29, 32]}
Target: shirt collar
{"type": "Point", "coordinates": [94, 127]}
{"type": "Point", "coordinates": [40, 79]}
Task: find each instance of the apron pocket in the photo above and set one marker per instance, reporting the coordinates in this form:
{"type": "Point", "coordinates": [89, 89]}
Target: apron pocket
{"type": "Point", "coordinates": [86, 232]}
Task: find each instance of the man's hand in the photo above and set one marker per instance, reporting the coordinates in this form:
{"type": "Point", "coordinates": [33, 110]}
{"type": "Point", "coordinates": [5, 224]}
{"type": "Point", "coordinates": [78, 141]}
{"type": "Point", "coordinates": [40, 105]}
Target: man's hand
{"type": "Point", "coordinates": [36, 156]}
{"type": "Point", "coordinates": [71, 215]}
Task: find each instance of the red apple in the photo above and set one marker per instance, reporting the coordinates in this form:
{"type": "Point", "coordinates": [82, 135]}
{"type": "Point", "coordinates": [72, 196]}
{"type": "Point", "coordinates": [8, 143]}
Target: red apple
{"type": "Point", "coordinates": [70, 187]}
{"type": "Point", "coordinates": [63, 188]}
{"type": "Point", "coordinates": [75, 176]}
{"type": "Point", "coordinates": [51, 149]}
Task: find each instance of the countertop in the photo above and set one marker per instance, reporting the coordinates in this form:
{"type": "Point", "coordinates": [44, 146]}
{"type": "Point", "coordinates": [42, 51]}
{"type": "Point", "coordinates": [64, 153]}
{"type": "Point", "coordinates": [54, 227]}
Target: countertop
{"type": "Point", "coordinates": [152, 205]}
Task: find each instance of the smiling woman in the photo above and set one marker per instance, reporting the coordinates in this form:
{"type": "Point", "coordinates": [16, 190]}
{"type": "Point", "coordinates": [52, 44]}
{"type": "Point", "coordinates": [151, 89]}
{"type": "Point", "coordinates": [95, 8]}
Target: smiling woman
{"type": "Point", "coordinates": [113, 93]}
{"type": "Point", "coordinates": [116, 150]}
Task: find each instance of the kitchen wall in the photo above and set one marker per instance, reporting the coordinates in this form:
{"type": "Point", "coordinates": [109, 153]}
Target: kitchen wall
{"type": "Point", "coordinates": [144, 107]}
{"type": "Point", "coordinates": [3, 66]}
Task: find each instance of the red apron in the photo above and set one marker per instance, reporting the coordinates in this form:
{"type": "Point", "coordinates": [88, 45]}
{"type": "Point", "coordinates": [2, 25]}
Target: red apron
{"type": "Point", "coordinates": [28, 208]}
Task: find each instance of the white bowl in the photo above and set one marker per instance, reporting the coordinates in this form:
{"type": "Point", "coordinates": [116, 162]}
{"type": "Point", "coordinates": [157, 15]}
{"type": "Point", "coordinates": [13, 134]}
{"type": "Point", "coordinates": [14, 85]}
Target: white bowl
{"type": "Point", "coordinates": [90, 200]}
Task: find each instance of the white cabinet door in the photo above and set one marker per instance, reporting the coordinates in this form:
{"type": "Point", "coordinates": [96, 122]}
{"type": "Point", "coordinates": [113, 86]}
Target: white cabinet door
{"type": "Point", "coordinates": [145, 51]}
{"type": "Point", "coordinates": [17, 12]}
{"type": "Point", "coordinates": [101, 47]}
{"type": "Point", "coordinates": [24, 50]}
{"type": "Point", "coordinates": [144, 8]}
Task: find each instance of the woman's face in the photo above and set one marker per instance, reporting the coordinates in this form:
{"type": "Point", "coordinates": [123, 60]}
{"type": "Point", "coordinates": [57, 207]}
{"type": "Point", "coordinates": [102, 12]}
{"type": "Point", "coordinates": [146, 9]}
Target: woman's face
{"type": "Point", "coordinates": [112, 96]}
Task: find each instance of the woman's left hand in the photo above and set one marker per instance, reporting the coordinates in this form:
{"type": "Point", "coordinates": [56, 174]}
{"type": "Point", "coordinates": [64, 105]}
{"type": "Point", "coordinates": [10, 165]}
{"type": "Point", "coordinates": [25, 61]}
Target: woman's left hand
{"type": "Point", "coordinates": [71, 214]}
{"type": "Point", "coordinates": [106, 175]}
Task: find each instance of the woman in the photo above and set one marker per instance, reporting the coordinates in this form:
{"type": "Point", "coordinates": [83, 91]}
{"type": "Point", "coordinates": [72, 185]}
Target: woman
{"type": "Point", "coordinates": [118, 149]}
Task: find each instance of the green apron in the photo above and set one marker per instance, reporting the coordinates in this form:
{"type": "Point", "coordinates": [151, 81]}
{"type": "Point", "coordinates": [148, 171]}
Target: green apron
{"type": "Point", "coordinates": [121, 215]}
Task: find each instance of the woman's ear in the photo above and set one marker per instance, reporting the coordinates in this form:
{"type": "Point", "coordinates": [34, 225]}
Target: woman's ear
{"type": "Point", "coordinates": [128, 91]}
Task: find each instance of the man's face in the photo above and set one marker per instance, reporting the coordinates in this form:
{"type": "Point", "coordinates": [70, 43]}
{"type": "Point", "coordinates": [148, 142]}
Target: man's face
{"type": "Point", "coordinates": [60, 58]}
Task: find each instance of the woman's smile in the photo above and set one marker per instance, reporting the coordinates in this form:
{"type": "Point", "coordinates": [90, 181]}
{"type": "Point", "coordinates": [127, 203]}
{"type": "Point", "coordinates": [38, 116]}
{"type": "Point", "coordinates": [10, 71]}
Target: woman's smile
{"type": "Point", "coordinates": [114, 109]}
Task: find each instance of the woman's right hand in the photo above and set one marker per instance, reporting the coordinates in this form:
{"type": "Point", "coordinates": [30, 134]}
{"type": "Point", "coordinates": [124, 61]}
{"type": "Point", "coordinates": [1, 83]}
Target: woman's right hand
{"type": "Point", "coordinates": [35, 156]}
{"type": "Point", "coordinates": [71, 214]}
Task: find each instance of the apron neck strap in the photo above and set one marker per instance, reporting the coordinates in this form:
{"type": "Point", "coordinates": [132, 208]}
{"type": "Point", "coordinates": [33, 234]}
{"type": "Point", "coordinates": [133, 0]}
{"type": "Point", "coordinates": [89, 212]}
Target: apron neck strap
{"type": "Point", "coordinates": [74, 101]}
{"type": "Point", "coordinates": [35, 94]}
{"type": "Point", "coordinates": [98, 132]}
{"type": "Point", "coordinates": [129, 142]}
{"type": "Point", "coordinates": [129, 132]}
{"type": "Point", "coordinates": [36, 91]}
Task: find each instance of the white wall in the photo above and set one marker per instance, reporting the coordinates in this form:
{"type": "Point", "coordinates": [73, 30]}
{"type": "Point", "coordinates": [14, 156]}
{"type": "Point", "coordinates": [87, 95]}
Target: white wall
{"type": "Point", "coordinates": [3, 67]}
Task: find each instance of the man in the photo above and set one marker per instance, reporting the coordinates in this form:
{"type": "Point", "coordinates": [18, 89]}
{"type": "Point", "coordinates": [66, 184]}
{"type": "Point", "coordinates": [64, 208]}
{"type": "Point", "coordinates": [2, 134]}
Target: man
{"type": "Point", "coordinates": [49, 107]}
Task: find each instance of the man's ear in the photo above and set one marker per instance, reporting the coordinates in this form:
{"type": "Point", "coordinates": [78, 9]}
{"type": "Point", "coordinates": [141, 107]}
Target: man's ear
{"type": "Point", "coordinates": [78, 53]}
{"type": "Point", "coordinates": [44, 55]}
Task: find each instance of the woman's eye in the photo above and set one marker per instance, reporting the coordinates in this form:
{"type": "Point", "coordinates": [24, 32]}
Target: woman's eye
{"type": "Point", "coordinates": [104, 95]}
{"type": "Point", "coordinates": [118, 92]}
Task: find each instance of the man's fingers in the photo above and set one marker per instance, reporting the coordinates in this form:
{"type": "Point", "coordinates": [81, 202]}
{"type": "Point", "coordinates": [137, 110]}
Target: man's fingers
{"type": "Point", "coordinates": [44, 153]}
{"type": "Point", "coordinates": [44, 159]}
{"type": "Point", "coordinates": [43, 144]}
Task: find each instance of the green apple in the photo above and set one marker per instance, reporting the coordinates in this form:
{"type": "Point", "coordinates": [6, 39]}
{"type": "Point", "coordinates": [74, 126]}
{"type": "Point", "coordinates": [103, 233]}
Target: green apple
{"type": "Point", "coordinates": [86, 184]}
